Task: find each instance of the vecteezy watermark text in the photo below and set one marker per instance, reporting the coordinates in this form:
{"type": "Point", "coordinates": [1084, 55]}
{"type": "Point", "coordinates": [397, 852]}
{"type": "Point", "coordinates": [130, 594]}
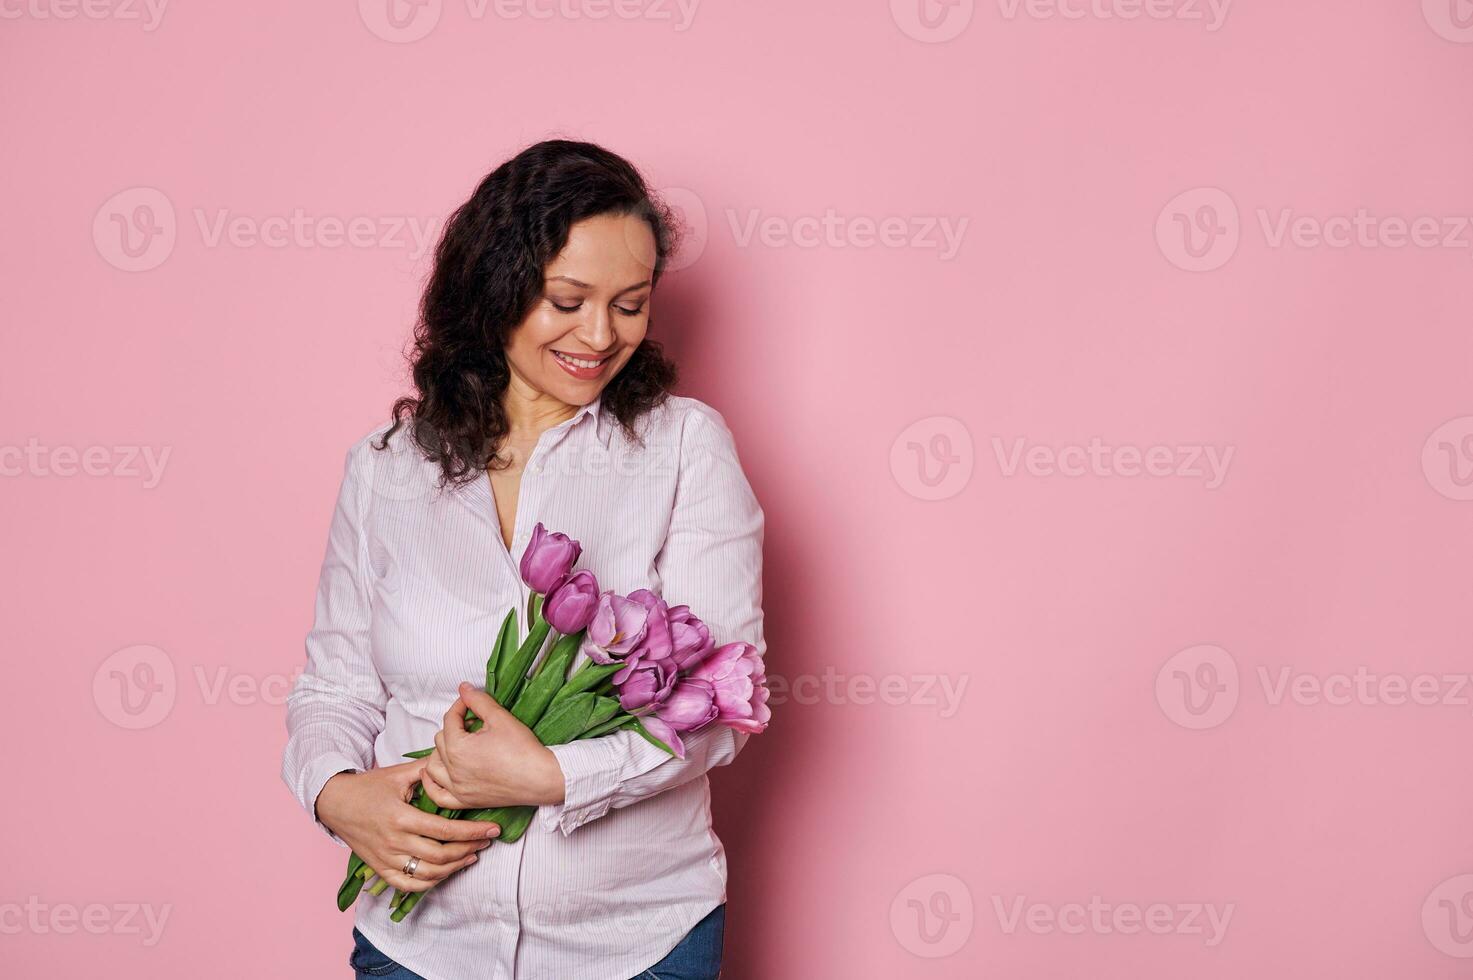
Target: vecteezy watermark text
{"type": "Point", "coordinates": [42, 918]}
{"type": "Point", "coordinates": [1194, 462]}
{"type": "Point", "coordinates": [1200, 229]}
{"type": "Point", "coordinates": [1200, 687]}
{"type": "Point", "coordinates": [1102, 918]}
{"type": "Point", "coordinates": [123, 462]}
{"type": "Point", "coordinates": [1212, 13]}
{"type": "Point", "coordinates": [936, 21]}
{"type": "Point", "coordinates": [941, 691]}
{"type": "Point", "coordinates": [137, 229]}
{"type": "Point", "coordinates": [939, 233]}
{"type": "Point", "coordinates": [407, 21]}
{"type": "Point", "coordinates": [933, 459]}
{"type": "Point", "coordinates": [148, 13]}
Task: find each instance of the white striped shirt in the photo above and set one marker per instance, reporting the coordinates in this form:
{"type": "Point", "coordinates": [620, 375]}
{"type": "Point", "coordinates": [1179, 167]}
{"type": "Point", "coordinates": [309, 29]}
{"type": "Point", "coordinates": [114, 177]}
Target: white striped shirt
{"type": "Point", "coordinates": [412, 592]}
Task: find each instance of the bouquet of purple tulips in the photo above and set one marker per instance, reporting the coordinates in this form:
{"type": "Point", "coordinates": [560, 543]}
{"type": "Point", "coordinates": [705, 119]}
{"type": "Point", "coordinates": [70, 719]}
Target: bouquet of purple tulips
{"type": "Point", "coordinates": [650, 668]}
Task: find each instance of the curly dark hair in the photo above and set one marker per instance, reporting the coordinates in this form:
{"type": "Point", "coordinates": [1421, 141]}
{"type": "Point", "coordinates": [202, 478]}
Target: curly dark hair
{"type": "Point", "coordinates": [487, 276]}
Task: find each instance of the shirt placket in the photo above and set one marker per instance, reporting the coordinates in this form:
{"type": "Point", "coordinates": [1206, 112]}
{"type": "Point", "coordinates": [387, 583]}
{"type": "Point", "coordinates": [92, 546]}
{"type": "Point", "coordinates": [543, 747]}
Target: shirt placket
{"type": "Point", "coordinates": [529, 499]}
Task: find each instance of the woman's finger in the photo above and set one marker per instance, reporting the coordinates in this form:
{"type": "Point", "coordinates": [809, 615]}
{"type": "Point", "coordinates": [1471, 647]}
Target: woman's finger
{"type": "Point", "coordinates": [455, 717]}
{"type": "Point", "coordinates": [441, 796]}
{"type": "Point", "coordinates": [436, 827]}
{"type": "Point", "coordinates": [482, 704]}
{"type": "Point", "coordinates": [429, 872]}
{"type": "Point", "coordinates": [398, 879]}
{"type": "Point", "coordinates": [432, 850]}
{"type": "Point", "coordinates": [435, 769]}
{"type": "Point", "coordinates": [406, 791]}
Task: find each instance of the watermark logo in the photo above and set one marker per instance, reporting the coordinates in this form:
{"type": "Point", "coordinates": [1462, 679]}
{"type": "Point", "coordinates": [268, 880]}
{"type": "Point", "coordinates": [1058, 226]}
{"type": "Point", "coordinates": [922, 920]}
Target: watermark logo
{"type": "Point", "coordinates": [1362, 229]}
{"type": "Point", "coordinates": [145, 463]}
{"type": "Point", "coordinates": [831, 229]}
{"type": "Point", "coordinates": [1198, 687]}
{"type": "Point", "coordinates": [1100, 917]}
{"type": "Point", "coordinates": [135, 229]}
{"type": "Point", "coordinates": [1363, 687]}
{"type": "Point", "coordinates": [943, 692]}
{"type": "Point", "coordinates": [941, 234]}
{"type": "Point", "coordinates": [933, 916]}
{"type": "Point", "coordinates": [400, 21]}
{"type": "Point", "coordinates": [932, 459]}
{"type": "Point", "coordinates": [1447, 458]}
{"type": "Point", "coordinates": [148, 13]}
{"type": "Point", "coordinates": [406, 21]}
{"type": "Point", "coordinates": [1212, 13]}
{"type": "Point", "coordinates": [1192, 461]}
{"type": "Point", "coordinates": [932, 21]}
{"type": "Point", "coordinates": [299, 229]}
{"type": "Point", "coordinates": [1451, 19]}
{"type": "Point", "coordinates": [688, 212]}
{"type": "Point", "coordinates": [135, 687]}
{"type": "Point", "coordinates": [1199, 229]}
{"type": "Point", "coordinates": [1447, 917]}
{"type": "Point", "coordinates": [40, 918]}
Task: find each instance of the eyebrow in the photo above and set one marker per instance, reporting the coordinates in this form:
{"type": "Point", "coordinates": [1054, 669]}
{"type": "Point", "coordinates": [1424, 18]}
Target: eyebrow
{"type": "Point", "coordinates": [584, 285]}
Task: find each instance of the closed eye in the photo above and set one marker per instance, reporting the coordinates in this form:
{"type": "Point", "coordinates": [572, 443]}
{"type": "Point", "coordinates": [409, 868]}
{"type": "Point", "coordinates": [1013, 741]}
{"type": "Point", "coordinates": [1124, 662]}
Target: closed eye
{"type": "Point", "coordinates": [622, 309]}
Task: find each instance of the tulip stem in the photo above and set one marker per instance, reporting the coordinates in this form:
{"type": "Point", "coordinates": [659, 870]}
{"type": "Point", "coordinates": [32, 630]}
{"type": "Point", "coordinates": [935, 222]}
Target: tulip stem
{"type": "Point", "coordinates": [406, 905]}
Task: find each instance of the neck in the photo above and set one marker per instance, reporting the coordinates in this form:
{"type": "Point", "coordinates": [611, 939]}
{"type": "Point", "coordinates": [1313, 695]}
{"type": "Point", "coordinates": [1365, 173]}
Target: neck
{"type": "Point", "coordinates": [529, 412]}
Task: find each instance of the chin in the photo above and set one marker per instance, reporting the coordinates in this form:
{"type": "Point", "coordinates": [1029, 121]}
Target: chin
{"type": "Point", "coordinates": [571, 392]}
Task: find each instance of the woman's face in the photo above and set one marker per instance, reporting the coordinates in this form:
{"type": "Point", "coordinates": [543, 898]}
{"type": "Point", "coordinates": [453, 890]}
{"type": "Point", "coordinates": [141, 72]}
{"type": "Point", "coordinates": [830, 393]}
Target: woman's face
{"type": "Point", "coordinates": [593, 312]}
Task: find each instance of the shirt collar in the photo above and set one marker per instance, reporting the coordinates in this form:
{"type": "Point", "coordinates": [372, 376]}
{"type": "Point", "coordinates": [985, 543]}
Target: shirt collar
{"type": "Point", "coordinates": [602, 421]}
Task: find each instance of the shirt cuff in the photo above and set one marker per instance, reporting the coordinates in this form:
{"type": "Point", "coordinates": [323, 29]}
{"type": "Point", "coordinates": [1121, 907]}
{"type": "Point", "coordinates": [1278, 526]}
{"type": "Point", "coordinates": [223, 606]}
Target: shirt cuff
{"type": "Point", "coordinates": [318, 773]}
{"type": "Point", "coordinates": [591, 774]}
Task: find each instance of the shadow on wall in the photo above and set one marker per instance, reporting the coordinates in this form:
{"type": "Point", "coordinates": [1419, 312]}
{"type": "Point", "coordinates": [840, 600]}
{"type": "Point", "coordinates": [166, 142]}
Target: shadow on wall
{"type": "Point", "coordinates": [747, 795]}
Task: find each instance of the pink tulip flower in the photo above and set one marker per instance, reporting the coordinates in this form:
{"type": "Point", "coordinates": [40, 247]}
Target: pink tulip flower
{"type": "Point", "coordinates": [739, 677]}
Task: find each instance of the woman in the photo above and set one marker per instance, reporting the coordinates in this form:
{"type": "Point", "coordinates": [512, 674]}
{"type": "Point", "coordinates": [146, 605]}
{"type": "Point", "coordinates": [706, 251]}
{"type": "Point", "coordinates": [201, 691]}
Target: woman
{"type": "Point", "coordinates": [539, 398]}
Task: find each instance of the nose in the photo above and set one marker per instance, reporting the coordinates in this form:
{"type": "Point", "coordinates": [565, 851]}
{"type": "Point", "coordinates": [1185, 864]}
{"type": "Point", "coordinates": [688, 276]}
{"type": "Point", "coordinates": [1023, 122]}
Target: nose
{"type": "Point", "coordinates": [597, 330]}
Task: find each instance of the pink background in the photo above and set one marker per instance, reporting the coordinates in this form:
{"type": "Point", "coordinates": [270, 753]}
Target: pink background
{"type": "Point", "coordinates": [1122, 732]}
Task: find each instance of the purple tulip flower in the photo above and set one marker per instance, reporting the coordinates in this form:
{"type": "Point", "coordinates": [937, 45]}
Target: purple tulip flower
{"type": "Point", "coordinates": [739, 677]}
{"type": "Point", "coordinates": [570, 606]}
{"type": "Point", "coordinates": [657, 643]}
{"type": "Point", "coordinates": [549, 557]}
{"type": "Point", "coordinates": [642, 683]}
{"type": "Point", "coordinates": [690, 638]}
{"type": "Point", "coordinates": [617, 627]}
{"type": "Point", "coordinates": [690, 707]}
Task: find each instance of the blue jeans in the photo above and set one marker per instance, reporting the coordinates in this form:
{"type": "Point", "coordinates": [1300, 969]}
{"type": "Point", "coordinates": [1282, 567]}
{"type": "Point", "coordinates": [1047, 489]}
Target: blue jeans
{"type": "Point", "coordinates": [696, 957]}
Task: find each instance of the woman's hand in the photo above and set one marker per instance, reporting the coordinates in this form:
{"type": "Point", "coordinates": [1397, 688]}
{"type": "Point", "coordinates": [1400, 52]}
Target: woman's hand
{"type": "Point", "coordinates": [503, 764]}
{"type": "Point", "coordinates": [371, 811]}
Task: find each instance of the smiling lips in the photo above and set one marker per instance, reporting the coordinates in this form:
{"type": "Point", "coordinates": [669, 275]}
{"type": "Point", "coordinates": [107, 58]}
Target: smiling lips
{"type": "Point", "coordinates": [583, 368]}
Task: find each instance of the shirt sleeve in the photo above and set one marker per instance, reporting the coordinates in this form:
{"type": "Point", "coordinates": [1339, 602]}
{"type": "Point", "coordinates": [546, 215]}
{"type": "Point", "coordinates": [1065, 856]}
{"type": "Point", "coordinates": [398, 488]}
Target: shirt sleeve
{"type": "Point", "coordinates": [336, 707]}
{"type": "Point", "coordinates": [712, 562]}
